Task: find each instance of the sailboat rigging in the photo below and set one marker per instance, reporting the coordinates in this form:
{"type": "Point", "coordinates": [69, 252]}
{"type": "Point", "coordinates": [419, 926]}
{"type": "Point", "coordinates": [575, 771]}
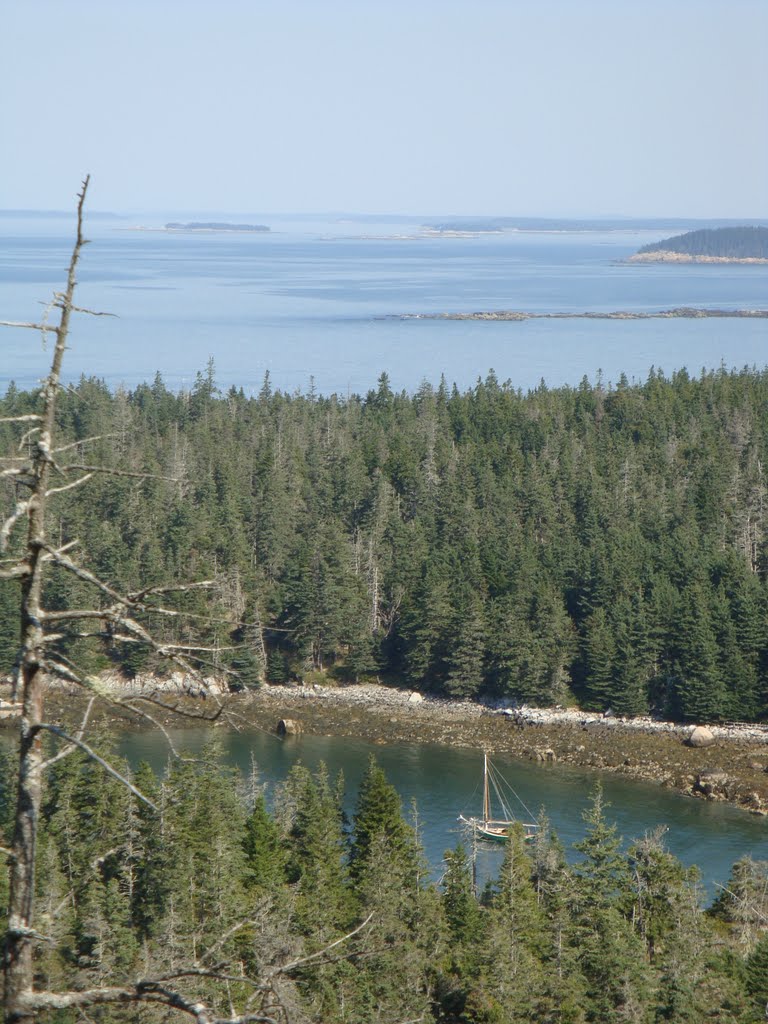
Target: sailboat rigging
{"type": "Point", "coordinates": [488, 827]}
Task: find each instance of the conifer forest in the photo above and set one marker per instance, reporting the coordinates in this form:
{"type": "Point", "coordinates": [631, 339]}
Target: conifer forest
{"type": "Point", "coordinates": [339, 921]}
{"type": "Point", "coordinates": [603, 545]}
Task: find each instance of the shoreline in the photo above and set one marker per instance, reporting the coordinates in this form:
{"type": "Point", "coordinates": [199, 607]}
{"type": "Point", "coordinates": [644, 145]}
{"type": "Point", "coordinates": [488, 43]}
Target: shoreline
{"type": "Point", "coordinates": [669, 256]}
{"type": "Point", "coordinates": [733, 768]}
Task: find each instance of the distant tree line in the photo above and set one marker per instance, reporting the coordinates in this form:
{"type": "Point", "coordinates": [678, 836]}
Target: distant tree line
{"type": "Point", "coordinates": [597, 545]}
{"type": "Point", "coordinates": [210, 887]}
{"type": "Point", "coordinates": [732, 242]}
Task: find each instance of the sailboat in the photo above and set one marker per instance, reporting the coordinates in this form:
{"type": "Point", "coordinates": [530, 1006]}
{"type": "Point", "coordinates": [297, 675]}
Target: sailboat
{"type": "Point", "coordinates": [488, 827]}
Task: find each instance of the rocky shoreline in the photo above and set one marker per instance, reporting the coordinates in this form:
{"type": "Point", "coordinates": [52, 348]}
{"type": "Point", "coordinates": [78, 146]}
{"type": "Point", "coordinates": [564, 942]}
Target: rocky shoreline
{"type": "Point", "coordinates": [731, 764]}
{"type": "Point", "coordinates": [733, 767]}
{"type": "Point", "coordinates": [668, 256]}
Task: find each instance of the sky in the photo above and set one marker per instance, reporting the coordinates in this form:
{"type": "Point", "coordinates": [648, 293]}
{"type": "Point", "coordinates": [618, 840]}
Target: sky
{"type": "Point", "coordinates": [506, 107]}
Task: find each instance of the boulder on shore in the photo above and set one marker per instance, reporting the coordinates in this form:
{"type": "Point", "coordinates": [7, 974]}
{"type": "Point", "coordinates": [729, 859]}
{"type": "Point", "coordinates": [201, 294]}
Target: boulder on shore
{"type": "Point", "coordinates": [288, 727]}
{"type": "Point", "coordinates": [700, 736]}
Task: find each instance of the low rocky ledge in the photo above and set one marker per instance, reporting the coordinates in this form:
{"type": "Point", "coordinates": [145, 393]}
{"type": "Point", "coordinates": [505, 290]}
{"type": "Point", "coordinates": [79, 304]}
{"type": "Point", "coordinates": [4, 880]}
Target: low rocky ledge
{"type": "Point", "coordinates": [668, 256]}
{"type": "Point", "coordinates": [679, 312]}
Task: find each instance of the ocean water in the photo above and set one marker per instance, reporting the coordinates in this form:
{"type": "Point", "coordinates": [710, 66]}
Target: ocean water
{"type": "Point", "coordinates": [318, 302]}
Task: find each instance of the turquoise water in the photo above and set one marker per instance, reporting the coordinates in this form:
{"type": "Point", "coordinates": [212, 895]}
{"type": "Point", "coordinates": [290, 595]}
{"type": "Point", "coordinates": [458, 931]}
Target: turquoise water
{"type": "Point", "coordinates": [307, 301]}
{"type": "Point", "coordinates": [445, 782]}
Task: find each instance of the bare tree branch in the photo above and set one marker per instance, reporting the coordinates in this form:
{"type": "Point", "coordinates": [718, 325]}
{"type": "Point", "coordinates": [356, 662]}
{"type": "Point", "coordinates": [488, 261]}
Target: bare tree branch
{"type": "Point", "coordinates": [66, 751]}
{"type": "Point", "coordinates": [26, 436]}
{"type": "Point", "coordinates": [68, 487]}
{"type": "Point", "coordinates": [16, 572]}
{"type": "Point", "coordinates": [83, 440]}
{"type": "Point", "coordinates": [56, 730]}
{"type": "Point", "coordinates": [80, 309]}
{"type": "Point", "coordinates": [18, 513]}
{"type": "Point", "coordinates": [139, 595]}
{"type": "Point", "coordinates": [32, 327]}
{"type": "Point", "coordinates": [31, 1003]}
{"type": "Point", "coordinates": [286, 968]}
{"type": "Point", "coordinates": [176, 709]}
{"type": "Point", "coordinates": [108, 471]}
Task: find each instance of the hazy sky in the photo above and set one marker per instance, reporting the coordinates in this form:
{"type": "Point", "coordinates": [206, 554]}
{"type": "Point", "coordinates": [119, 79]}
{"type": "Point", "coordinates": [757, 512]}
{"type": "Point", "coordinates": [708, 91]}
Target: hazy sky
{"type": "Point", "coordinates": [518, 107]}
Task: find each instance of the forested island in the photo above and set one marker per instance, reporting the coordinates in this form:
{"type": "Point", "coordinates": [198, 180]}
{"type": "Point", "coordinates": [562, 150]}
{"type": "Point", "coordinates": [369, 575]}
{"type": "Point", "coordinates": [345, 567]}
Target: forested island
{"type": "Point", "coordinates": [213, 225]}
{"type": "Point", "coordinates": [726, 244]}
{"type": "Point", "coordinates": [595, 545]}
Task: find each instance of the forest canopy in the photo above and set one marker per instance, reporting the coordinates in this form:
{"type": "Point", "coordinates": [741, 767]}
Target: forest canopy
{"type": "Point", "coordinates": [339, 920]}
{"type": "Point", "coordinates": [595, 545]}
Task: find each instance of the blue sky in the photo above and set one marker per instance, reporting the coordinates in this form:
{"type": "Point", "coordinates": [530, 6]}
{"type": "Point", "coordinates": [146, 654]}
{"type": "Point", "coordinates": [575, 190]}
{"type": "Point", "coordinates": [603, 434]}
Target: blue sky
{"type": "Point", "coordinates": [516, 107]}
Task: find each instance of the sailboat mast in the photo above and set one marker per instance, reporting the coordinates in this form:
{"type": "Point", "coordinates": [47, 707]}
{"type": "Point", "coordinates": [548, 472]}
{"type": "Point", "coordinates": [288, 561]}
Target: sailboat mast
{"type": "Point", "coordinates": [486, 794]}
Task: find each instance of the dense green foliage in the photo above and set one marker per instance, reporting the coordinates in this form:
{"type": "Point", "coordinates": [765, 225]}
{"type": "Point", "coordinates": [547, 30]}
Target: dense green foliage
{"type": "Point", "coordinates": [212, 880]}
{"type": "Point", "coordinates": [733, 243]}
{"type": "Point", "coordinates": [599, 545]}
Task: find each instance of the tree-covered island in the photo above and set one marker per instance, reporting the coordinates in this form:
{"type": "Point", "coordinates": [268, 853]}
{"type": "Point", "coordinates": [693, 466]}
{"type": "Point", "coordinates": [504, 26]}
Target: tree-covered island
{"type": "Point", "coordinates": [747, 244]}
{"type": "Point", "coordinates": [213, 225]}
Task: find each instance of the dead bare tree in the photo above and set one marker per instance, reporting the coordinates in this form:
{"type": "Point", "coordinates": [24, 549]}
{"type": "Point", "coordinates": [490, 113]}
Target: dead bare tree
{"type": "Point", "coordinates": [40, 470]}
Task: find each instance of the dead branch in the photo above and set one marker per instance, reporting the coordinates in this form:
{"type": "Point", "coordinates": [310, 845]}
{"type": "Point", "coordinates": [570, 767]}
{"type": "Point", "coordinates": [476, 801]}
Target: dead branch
{"type": "Point", "coordinates": [83, 440]}
{"type": "Point", "coordinates": [18, 513]}
{"type": "Point", "coordinates": [26, 436]}
{"type": "Point", "coordinates": [16, 572]}
{"type": "Point", "coordinates": [139, 595]}
{"type": "Point", "coordinates": [69, 487]}
{"type": "Point", "coordinates": [56, 730]}
{"type": "Point", "coordinates": [66, 751]}
{"type": "Point", "coordinates": [176, 709]}
{"type": "Point", "coordinates": [56, 555]}
{"type": "Point", "coordinates": [32, 327]}
{"type": "Point", "coordinates": [31, 1003]}
{"type": "Point", "coordinates": [80, 309]}
{"type": "Point", "coordinates": [107, 471]}
{"type": "Point", "coordinates": [303, 961]}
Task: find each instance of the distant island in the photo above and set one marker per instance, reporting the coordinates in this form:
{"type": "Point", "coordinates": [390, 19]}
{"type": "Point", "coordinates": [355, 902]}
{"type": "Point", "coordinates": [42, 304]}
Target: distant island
{"type": "Point", "coordinates": [684, 312]}
{"type": "Point", "coordinates": [558, 225]}
{"type": "Point", "coordinates": [213, 225]}
{"type": "Point", "coordinates": [709, 245]}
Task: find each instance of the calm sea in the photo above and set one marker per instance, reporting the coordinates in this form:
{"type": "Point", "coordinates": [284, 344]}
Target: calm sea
{"type": "Point", "coordinates": [306, 302]}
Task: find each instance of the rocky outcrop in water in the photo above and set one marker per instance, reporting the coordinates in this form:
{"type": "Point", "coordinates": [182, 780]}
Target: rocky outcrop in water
{"type": "Point", "coordinates": [680, 312]}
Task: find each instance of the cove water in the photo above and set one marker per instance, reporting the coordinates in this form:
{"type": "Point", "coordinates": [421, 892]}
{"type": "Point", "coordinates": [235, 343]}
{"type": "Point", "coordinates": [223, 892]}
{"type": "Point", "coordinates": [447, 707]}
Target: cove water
{"type": "Point", "coordinates": [309, 301]}
{"type": "Point", "coordinates": [443, 782]}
